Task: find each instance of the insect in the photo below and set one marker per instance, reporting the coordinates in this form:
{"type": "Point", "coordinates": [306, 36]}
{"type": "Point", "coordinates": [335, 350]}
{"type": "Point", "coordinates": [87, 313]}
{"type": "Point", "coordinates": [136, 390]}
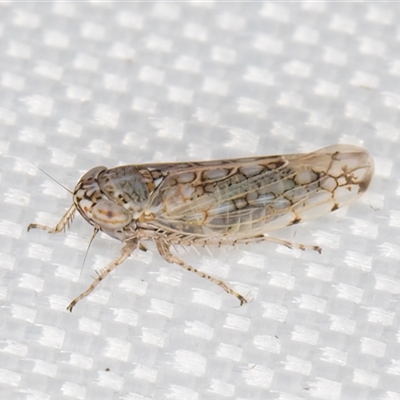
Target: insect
{"type": "Point", "coordinates": [222, 202]}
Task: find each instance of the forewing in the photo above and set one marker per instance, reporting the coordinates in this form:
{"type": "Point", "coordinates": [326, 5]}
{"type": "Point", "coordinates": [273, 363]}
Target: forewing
{"type": "Point", "coordinates": [252, 195]}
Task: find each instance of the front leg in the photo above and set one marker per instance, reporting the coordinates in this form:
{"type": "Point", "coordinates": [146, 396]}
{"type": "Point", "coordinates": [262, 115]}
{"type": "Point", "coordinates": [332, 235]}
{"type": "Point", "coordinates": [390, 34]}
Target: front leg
{"type": "Point", "coordinates": [65, 221]}
{"type": "Point", "coordinates": [126, 251]}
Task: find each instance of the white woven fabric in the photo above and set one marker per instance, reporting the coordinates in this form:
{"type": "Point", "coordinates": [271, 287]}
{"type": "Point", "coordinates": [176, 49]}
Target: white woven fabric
{"type": "Point", "coordinates": [93, 83]}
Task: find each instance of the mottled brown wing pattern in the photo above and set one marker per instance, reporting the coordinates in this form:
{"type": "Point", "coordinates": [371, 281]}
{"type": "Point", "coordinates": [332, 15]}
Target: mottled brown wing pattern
{"type": "Point", "coordinates": [194, 199]}
{"type": "Point", "coordinates": [250, 196]}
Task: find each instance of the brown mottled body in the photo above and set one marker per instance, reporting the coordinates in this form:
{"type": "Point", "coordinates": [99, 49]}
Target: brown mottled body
{"type": "Point", "coordinates": [215, 202]}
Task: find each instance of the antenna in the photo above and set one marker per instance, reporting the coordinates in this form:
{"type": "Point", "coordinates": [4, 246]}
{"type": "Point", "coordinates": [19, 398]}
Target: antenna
{"type": "Point", "coordinates": [53, 179]}
{"type": "Point", "coordinates": [95, 232]}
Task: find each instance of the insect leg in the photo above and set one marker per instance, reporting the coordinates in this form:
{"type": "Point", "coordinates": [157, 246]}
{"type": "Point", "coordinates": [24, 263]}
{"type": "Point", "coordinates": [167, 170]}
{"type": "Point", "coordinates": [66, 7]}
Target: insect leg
{"type": "Point", "coordinates": [165, 252]}
{"type": "Point", "coordinates": [286, 243]}
{"type": "Point", "coordinates": [64, 221]}
{"type": "Point", "coordinates": [256, 239]}
{"type": "Point", "coordinates": [126, 251]}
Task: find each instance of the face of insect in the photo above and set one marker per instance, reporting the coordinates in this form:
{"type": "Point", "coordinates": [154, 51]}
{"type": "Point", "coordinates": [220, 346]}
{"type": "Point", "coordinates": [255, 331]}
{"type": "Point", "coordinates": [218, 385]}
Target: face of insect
{"type": "Point", "coordinates": [96, 207]}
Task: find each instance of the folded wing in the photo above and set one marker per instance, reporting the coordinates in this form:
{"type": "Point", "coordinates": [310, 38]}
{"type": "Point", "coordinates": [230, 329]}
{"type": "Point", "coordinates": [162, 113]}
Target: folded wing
{"type": "Point", "coordinates": [244, 197]}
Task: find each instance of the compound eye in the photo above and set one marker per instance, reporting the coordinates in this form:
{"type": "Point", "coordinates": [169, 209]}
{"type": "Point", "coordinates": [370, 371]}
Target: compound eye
{"type": "Point", "coordinates": [109, 215]}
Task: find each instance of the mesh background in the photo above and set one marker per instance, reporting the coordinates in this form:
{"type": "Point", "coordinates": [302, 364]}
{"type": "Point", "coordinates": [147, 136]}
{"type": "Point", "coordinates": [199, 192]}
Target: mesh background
{"type": "Point", "coordinates": [110, 83]}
